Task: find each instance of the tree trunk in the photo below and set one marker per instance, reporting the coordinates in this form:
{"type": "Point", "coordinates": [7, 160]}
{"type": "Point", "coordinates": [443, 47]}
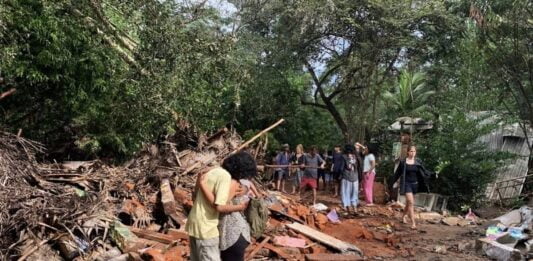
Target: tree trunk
{"type": "Point", "coordinates": [340, 122]}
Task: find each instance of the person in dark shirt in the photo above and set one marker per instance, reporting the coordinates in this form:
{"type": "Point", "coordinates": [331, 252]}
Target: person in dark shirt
{"type": "Point", "coordinates": [351, 167]}
{"type": "Point", "coordinates": [312, 162]}
{"type": "Point", "coordinates": [282, 173]}
{"type": "Point", "coordinates": [413, 177]}
{"type": "Point", "coordinates": [336, 170]}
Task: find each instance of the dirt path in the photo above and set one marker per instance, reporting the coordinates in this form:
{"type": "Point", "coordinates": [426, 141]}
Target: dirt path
{"type": "Point", "coordinates": [378, 232]}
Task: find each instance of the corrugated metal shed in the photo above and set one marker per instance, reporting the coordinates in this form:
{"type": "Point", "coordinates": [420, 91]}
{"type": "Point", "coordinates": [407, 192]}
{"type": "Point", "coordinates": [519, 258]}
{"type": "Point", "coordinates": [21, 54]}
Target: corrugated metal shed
{"type": "Point", "coordinates": [510, 178]}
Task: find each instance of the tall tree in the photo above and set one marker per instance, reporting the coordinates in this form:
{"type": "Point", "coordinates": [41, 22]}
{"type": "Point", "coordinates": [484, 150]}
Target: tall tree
{"type": "Point", "coordinates": [348, 48]}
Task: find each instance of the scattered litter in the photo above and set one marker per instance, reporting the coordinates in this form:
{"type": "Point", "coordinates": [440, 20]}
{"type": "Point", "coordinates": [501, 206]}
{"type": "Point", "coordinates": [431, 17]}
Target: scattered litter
{"type": "Point", "coordinates": [440, 249]}
{"type": "Point", "coordinates": [493, 232]}
{"type": "Point", "coordinates": [333, 216]}
{"type": "Point", "coordinates": [471, 216]}
{"type": "Point", "coordinates": [320, 207]}
{"type": "Point", "coordinates": [516, 232]}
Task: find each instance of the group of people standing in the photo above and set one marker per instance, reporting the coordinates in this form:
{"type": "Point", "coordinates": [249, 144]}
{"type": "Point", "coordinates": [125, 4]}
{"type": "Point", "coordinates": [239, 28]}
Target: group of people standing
{"type": "Point", "coordinates": [350, 170]}
{"type": "Point", "coordinates": [217, 227]}
{"type": "Point", "coordinates": [346, 169]}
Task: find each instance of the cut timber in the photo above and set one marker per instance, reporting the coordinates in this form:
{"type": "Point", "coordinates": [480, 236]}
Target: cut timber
{"type": "Point", "coordinates": [177, 233]}
{"type": "Point", "coordinates": [257, 248]}
{"type": "Point", "coordinates": [152, 243]}
{"type": "Point", "coordinates": [158, 237]}
{"type": "Point", "coordinates": [325, 239]}
{"type": "Point", "coordinates": [279, 252]}
{"type": "Point", "coordinates": [171, 208]}
{"type": "Point", "coordinates": [336, 257]}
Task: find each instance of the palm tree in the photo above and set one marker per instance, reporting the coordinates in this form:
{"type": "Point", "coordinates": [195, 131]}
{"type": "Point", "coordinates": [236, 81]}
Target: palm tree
{"type": "Point", "coordinates": [410, 94]}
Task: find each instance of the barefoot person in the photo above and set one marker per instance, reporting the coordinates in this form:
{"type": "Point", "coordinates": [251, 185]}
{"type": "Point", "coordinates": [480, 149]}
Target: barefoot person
{"type": "Point", "coordinates": [369, 173]}
{"type": "Point", "coordinates": [413, 176]}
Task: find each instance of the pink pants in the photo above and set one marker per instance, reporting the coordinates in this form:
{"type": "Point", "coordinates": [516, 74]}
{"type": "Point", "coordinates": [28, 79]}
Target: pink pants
{"type": "Point", "coordinates": [368, 185]}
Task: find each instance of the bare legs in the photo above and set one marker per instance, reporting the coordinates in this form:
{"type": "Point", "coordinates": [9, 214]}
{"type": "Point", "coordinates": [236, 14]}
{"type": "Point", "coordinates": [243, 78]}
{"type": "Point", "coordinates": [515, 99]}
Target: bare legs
{"type": "Point", "coordinates": [336, 188]}
{"type": "Point", "coordinates": [409, 210]}
{"type": "Point", "coordinates": [280, 183]}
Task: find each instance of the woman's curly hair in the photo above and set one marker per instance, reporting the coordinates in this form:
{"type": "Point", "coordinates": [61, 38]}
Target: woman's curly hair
{"type": "Point", "coordinates": [240, 165]}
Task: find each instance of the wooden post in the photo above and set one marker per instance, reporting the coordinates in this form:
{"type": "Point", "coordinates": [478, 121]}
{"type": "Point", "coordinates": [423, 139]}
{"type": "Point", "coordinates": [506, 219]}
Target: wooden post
{"type": "Point", "coordinates": [261, 133]}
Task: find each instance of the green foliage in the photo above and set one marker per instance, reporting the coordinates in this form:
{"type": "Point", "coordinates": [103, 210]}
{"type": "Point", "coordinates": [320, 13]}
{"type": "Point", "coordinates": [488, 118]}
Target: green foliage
{"type": "Point", "coordinates": [465, 164]}
{"type": "Point", "coordinates": [410, 95]}
{"type": "Point", "coordinates": [80, 87]}
{"type": "Point", "coordinates": [100, 78]}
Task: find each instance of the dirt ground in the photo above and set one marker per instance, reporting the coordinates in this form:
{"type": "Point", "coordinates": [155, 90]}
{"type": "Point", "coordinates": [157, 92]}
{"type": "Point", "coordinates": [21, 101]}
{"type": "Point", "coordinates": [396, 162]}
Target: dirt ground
{"type": "Point", "coordinates": [378, 232]}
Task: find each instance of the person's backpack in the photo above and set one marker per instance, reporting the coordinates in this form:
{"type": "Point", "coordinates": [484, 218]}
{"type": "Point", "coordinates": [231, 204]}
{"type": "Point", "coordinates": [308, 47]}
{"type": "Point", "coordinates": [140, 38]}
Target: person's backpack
{"type": "Point", "coordinates": [257, 216]}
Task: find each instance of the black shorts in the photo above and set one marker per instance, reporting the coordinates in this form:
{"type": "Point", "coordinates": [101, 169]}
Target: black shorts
{"type": "Point", "coordinates": [236, 251]}
{"type": "Point", "coordinates": [281, 174]}
{"type": "Point", "coordinates": [336, 175]}
{"type": "Point", "coordinates": [411, 187]}
{"type": "Point", "coordinates": [321, 174]}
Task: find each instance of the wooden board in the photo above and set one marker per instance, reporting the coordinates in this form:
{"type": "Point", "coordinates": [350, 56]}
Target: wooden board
{"type": "Point", "coordinates": [325, 239]}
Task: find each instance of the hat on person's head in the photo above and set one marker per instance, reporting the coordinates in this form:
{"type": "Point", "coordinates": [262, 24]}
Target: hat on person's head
{"type": "Point", "coordinates": [285, 145]}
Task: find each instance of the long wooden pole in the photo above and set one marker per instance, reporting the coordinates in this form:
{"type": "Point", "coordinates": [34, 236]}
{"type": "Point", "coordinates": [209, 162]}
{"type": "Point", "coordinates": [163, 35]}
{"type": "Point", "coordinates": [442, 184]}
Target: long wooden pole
{"type": "Point", "coordinates": [261, 133]}
{"type": "Point", "coordinates": [199, 163]}
{"type": "Point", "coordinates": [7, 93]}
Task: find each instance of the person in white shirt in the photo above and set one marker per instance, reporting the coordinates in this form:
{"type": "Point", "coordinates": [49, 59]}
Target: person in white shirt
{"type": "Point", "coordinates": [369, 173]}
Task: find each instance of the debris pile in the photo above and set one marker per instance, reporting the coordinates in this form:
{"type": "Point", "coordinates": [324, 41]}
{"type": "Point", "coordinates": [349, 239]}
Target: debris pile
{"type": "Point", "coordinates": [510, 236]}
{"type": "Point", "coordinates": [87, 208]}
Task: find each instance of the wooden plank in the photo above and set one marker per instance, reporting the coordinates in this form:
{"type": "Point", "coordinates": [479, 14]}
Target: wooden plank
{"type": "Point", "coordinates": [336, 257]}
{"type": "Point", "coordinates": [155, 236]}
{"type": "Point", "coordinates": [170, 206]}
{"type": "Point", "coordinates": [177, 233]}
{"type": "Point", "coordinates": [257, 248]}
{"type": "Point", "coordinates": [152, 243]}
{"type": "Point", "coordinates": [325, 239]}
{"type": "Point", "coordinates": [291, 217]}
{"type": "Point", "coordinates": [279, 252]}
